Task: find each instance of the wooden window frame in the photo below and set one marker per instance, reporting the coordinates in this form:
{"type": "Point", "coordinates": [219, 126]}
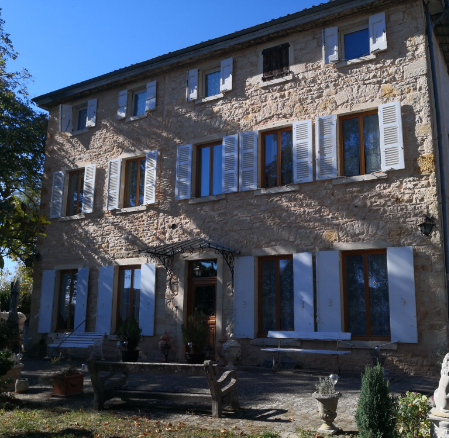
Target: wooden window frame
{"type": "Point", "coordinates": [66, 329]}
{"type": "Point", "coordinates": [124, 268]}
{"type": "Point", "coordinates": [276, 258]}
{"type": "Point", "coordinates": [125, 200]}
{"type": "Point", "coordinates": [361, 139]}
{"type": "Point", "coordinates": [71, 175]}
{"type": "Point", "coordinates": [278, 169]}
{"type": "Point", "coordinates": [211, 168]}
{"type": "Point", "coordinates": [367, 295]}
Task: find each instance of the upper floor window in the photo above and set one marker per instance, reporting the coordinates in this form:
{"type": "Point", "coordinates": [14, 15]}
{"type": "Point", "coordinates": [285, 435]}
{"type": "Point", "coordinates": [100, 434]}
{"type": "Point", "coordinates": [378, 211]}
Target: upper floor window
{"type": "Point", "coordinates": [276, 62]}
{"type": "Point", "coordinates": [212, 82]}
{"type": "Point", "coordinates": [356, 42]}
{"type": "Point", "coordinates": [209, 180]}
{"type": "Point", "coordinates": [67, 300]}
{"type": "Point", "coordinates": [135, 182]}
{"type": "Point", "coordinates": [79, 116]}
{"type": "Point", "coordinates": [75, 192]}
{"type": "Point", "coordinates": [81, 119]}
{"type": "Point", "coordinates": [128, 294]}
{"type": "Point", "coordinates": [139, 98]}
{"type": "Point", "coordinates": [137, 101]}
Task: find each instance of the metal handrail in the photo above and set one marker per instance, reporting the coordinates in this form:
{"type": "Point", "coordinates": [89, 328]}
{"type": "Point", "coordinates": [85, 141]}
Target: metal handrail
{"type": "Point", "coordinates": [70, 334]}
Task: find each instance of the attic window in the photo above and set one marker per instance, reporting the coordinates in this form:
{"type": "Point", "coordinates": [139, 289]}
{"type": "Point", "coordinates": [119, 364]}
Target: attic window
{"type": "Point", "coordinates": [275, 62]}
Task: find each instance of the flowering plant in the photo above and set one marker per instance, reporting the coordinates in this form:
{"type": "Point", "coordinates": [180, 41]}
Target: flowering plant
{"type": "Point", "coordinates": [412, 421]}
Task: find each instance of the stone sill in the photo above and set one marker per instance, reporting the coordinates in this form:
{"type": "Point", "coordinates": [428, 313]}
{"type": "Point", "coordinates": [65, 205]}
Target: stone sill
{"type": "Point", "coordinates": [367, 345]}
{"type": "Point", "coordinates": [130, 209]}
{"type": "Point", "coordinates": [274, 190]}
{"type": "Point", "coordinates": [209, 99]}
{"type": "Point", "coordinates": [81, 131]}
{"type": "Point", "coordinates": [206, 199]}
{"type": "Point", "coordinates": [274, 342]}
{"type": "Point", "coordinates": [71, 218]}
{"type": "Point", "coordinates": [357, 178]}
{"type": "Point", "coordinates": [275, 81]}
{"type": "Point", "coordinates": [356, 60]}
{"type": "Point", "coordinates": [131, 119]}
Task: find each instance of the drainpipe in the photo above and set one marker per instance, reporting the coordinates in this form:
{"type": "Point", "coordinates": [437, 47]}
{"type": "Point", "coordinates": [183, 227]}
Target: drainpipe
{"type": "Point", "coordinates": [440, 147]}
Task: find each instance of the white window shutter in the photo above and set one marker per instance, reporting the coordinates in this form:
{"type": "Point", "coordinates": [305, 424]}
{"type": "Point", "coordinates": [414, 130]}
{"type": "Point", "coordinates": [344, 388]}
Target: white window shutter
{"type": "Point", "coordinates": [326, 147]}
{"type": "Point", "coordinates": [89, 188]}
{"type": "Point", "coordinates": [303, 292]}
{"type": "Point", "coordinates": [328, 291]}
{"type": "Point", "coordinates": [330, 45]}
{"type": "Point", "coordinates": [122, 102]}
{"type": "Point", "coordinates": [81, 300]}
{"type": "Point", "coordinates": [47, 296]}
{"type": "Point", "coordinates": [401, 289]}
{"type": "Point", "coordinates": [302, 152]}
{"type": "Point", "coordinates": [104, 300]}
{"type": "Point", "coordinates": [150, 102]}
{"type": "Point", "coordinates": [244, 297]}
{"type": "Point", "coordinates": [248, 161]}
{"type": "Point", "coordinates": [149, 196]}
{"type": "Point", "coordinates": [56, 194]}
{"type": "Point", "coordinates": [192, 84]}
{"type": "Point", "coordinates": [113, 184]}
{"type": "Point", "coordinates": [391, 141]}
{"type": "Point", "coordinates": [183, 172]}
{"type": "Point", "coordinates": [91, 113]}
{"type": "Point", "coordinates": [377, 33]}
{"type": "Point", "coordinates": [226, 75]}
{"type": "Point", "coordinates": [65, 118]}
{"type": "Point", "coordinates": [230, 163]}
{"type": "Point", "coordinates": [147, 298]}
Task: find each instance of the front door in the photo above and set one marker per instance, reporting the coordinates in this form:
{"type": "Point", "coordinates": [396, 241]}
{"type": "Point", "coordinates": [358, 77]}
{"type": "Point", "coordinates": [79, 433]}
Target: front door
{"type": "Point", "coordinates": [202, 294]}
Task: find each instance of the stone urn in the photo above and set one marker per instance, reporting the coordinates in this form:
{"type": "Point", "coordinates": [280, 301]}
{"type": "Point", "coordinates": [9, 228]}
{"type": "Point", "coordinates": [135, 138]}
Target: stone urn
{"type": "Point", "coordinates": [14, 373]}
{"type": "Point", "coordinates": [327, 408]}
{"type": "Point", "coordinates": [439, 415]}
{"type": "Point", "coordinates": [22, 385]}
{"type": "Point", "coordinates": [231, 351]}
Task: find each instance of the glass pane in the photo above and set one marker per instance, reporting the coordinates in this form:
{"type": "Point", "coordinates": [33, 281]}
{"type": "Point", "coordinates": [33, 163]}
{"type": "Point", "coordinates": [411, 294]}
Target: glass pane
{"type": "Point", "coordinates": [371, 143]}
{"type": "Point", "coordinates": [212, 86]}
{"type": "Point", "coordinates": [204, 300]}
{"type": "Point", "coordinates": [73, 194]}
{"type": "Point", "coordinates": [271, 162]}
{"type": "Point", "coordinates": [142, 181]}
{"type": "Point", "coordinates": [73, 303]}
{"type": "Point", "coordinates": [139, 103]}
{"type": "Point", "coordinates": [378, 290]}
{"type": "Point", "coordinates": [204, 171]}
{"type": "Point", "coordinates": [356, 44]}
{"type": "Point", "coordinates": [131, 183]}
{"type": "Point", "coordinates": [82, 118]}
{"type": "Point", "coordinates": [268, 295]}
{"type": "Point", "coordinates": [355, 294]}
{"type": "Point", "coordinates": [204, 269]}
{"type": "Point", "coordinates": [286, 294]}
{"type": "Point", "coordinates": [124, 295]}
{"type": "Point", "coordinates": [217, 170]}
{"type": "Point", "coordinates": [136, 294]}
{"type": "Point", "coordinates": [351, 151]}
{"type": "Point", "coordinates": [64, 300]}
{"type": "Point", "coordinates": [286, 158]}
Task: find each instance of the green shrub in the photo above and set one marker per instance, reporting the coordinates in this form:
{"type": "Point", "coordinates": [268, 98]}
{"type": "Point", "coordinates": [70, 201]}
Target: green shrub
{"type": "Point", "coordinates": [376, 409]}
{"type": "Point", "coordinates": [196, 332]}
{"type": "Point", "coordinates": [412, 413]}
{"type": "Point", "coordinates": [6, 362]}
{"type": "Point", "coordinates": [129, 332]}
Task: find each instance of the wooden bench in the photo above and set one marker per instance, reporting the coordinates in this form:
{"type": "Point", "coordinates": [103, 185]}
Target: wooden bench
{"type": "Point", "coordinates": [309, 336]}
{"type": "Point", "coordinates": [88, 340]}
{"type": "Point", "coordinates": [223, 391]}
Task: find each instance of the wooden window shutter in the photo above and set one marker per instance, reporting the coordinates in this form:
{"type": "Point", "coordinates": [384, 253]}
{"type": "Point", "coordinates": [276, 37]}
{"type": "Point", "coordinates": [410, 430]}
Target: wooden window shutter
{"type": "Point", "coordinates": [89, 188]}
{"type": "Point", "coordinates": [248, 161]}
{"type": "Point", "coordinates": [377, 33]}
{"type": "Point", "coordinates": [192, 84]}
{"type": "Point", "coordinates": [183, 172]}
{"type": "Point", "coordinates": [149, 196]}
{"type": "Point", "coordinates": [391, 142]}
{"type": "Point", "coordinates": [113, 184]}
{"type": "Point", "coordinates": [46, 305]}
{"type": "Point", "coordinates": [91, 113]}
{"type": "Point", "coordinates": [104, 300]}
{"type": "Point", "coordinates": [275, 61]}
{"type": "Point", "coordinates": [284, 63]}
{"type": "Point", "coordinates": [302, 152]}
{"type": "Point", "coordinates": [150, 102]}
{"type": "Point", "coordinates": [226, 75]}
{"type": "Point", "coordinates": [81, 300]}
{"type": "Point", "coordinates": [147, 298]}
{"type": "Point", "coordinates": [401, 287]}
{"type": "Point", "coordinates": [230, 163]}
{"type": "Point", "coordinates": [122, 103]}
{"type": "Point", "coordinates": [244, 303]}
{"type": "Point", "coordinates": [330, 45]}
{"type": "Point", "coordinates": [56, 194]}
{"type": "Point", "coordinates": [268, 62]}
{"type": "Point", "coordinates": [65, 118]}
{"type": "Point", "coordinates": [304, 315]}
{"type": "Point", "coordinates": [326, 147]}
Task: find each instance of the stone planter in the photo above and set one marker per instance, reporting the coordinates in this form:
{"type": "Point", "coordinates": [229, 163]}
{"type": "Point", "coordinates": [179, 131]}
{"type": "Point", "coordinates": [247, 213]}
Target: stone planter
{"type": "Point", "coordinates": [68, 385]}
{"type": "Point", "coordinates": [327, 408]}
{"type": "Point", "coordinates": [14, 373]}
{"type": "Point", "coordinates": [231, 351]}
{"type": "Point", "coordinates": [22, 385]}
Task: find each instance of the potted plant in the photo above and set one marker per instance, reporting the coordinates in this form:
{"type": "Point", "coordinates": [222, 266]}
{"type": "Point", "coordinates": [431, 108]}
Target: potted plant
{"type": "Point", "coordinates": [327, 401]}
{"type": "Point", "coordinates": [6, 363]}
{"type": "Point", "coordinates": [15, 371]}
{"type": "Point", "coordinates": [195, 336]}
{"type": "Point", "coordinates": [129, 335]}
{"type": "Point", "coordinates": [66, 381]}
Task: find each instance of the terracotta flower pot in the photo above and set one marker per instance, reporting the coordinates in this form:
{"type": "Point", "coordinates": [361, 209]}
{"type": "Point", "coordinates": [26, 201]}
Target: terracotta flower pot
{"type": "Point", "coordinates": [68, 385]}
{"type": "Point", "coordinates": [327, 408]}
{"type": "Point", "coordinates": [130, 355]}
{"type": "Point", "coordinates": [14, 373]}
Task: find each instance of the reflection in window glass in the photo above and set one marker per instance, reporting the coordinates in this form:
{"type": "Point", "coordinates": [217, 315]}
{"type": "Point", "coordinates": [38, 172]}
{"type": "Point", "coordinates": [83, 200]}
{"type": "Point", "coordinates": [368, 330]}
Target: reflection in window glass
{"type": "Point", "coordinates": [210, 170]}
{"type": "Point", "coordinates": [351, 148]}
{"type": "Point", "coordinates": [217, 170]}
{"type": "Point", "coordinates": [67, 300]}
{"type": "Point", "coordinates": [139, 103]}
{"type": "Point", "coordinates": [271, 162]}
{"type": "Point", "coordinates": [212, 85]}
{"type": "Point", "coordinates": [355, 293]}
{"type": "Point", "coordinates": [135, 182]}
{"type": "Point", "coordinates": [286, 158]}
{"type": "Point", "coordinates": [204, 268]}
{"type": "Point", "coordinates": [286, 294]}
{"type": "Point", "coordinates": [268, 295]}
{"type": "Point", "coordinates": [204, 299]}
{"type": "Point", "coordinates": [278, 144]}
{"type": "Point", "coordinates": [356, 44]}
{"type": "Point", "coordinates": [75, 195]}
{"type": "Point", "coordinates": [129, 295]}
{"type": "Point", "coordinates": [378, 292]}
{"type": "Point", "coordinates": [205, 171]}
{"type": "Point", "coordinates": [371, 140]}
{"type": "Point", "coordinates": [82, 119]}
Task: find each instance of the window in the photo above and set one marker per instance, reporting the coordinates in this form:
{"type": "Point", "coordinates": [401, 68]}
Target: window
{"type": "Point", "coordinates": [78, 117]}
{"type": "Point", "coordinates": [139, 99]}
{"type": "Point", "coordinates": [75, 193]}
{"type": "Point", "coordinates": [134, 182]}
{"type": "Point", "coordinates": [209, 175]}
{"type": "Point", "coordinates": [366, 300]}
{"type": "Point", "coordinates": [275, 293]}
{"type": "Point", "coordinates": [276, 62]}
{"type": "Point", "coordinates": [355, 42]}
{"type": "Point", "coordinates": [212, 82]}
{"type": "Point", "coordinates": [277, 158]}
{"type": "Point", "coordinates": [67, 299]}
{"type": "Point", "coordinates": [128, 294]}
{"type": "Point", "coordinates": [360, 143]}
{"type": "Point", "coordinates": [82, 119]}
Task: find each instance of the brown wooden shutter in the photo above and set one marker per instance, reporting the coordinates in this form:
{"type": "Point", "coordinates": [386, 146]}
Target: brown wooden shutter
{"type": "Point", "coordinates": [275, 62]}
{"type": "Point", "coordinates": [267, 64]}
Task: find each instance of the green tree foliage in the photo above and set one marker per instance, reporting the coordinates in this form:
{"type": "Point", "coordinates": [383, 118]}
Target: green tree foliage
{"type": "Point", "coordinates": [196, 332]}
{"type": "Point", "coordinates": [413, 408]}
{"type": "Point", "coordinates": [25, 277]}
{"type": "Point", "coordinates": [376, 409]}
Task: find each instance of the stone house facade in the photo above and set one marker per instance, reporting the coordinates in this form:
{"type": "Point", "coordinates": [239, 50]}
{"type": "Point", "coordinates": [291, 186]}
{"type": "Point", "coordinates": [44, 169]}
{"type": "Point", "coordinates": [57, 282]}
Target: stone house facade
{"type": "Point", "coordinates": [303, 151]}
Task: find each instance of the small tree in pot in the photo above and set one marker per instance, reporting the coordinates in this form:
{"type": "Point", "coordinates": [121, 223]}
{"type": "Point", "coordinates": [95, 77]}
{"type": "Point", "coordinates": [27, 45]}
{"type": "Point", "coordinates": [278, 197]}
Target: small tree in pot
{"type": "Point", "coordinates": [129, 335]}
{"type": "Point", "coordinates": [195, 336]}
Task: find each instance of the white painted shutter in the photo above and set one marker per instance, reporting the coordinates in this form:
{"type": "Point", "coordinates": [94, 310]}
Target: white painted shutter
{"type": "Point", "coordinates": [104, 300]}
{"type": "Point", "coordinates": [147, 298]}
{"type": "Point", "coordinates": [91, 113]}
{"type": "Point", "coordinates": [248, 161]}
{"type": "Point", "coordinates": [192, 84]}
{"type": "Point", "coordinates": [149, 196]}
{"type": "Point", "coordinates": [81, 299]}
{"type": "Point", "coordinates": [56, 194]}
{"type": "Point", "coordinates": [377, 33]}
{"type": "Point", "coordinates": [89, 188]}
{"type": "Point", "coordinates": [302, 152]}
{"type": "Point", "coordinates": [230, 164]}
{"type": "Point", "coordinates": [303, 292]}
{"type": "Point", "coordinates": [122, 102]}
{"type": "Point", "coordinates": [150, 102]}
{"type": "Point", "coordinates": [226, 75]}
{"type": "Point", "coordinates": [326, 147]}
{"type": "Point", "coordinates": [113, 184]}
{"type": "Point", "coordinates": [47, 296]}
{"type": "Point", "coordinates": [328, 291]}
{"type": "Point", "coordinates": [183, 172]}
{"type": "Point", "coordinates": [330, 45]}
{"type": "Point", "coordinates": [401, 287]}
{"type": "Point", "coordinates": [244, 297]}
{"type": "Point", "coordinates": [65, 118]}
{"type": "Point", "coordinates": [391, 142]}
